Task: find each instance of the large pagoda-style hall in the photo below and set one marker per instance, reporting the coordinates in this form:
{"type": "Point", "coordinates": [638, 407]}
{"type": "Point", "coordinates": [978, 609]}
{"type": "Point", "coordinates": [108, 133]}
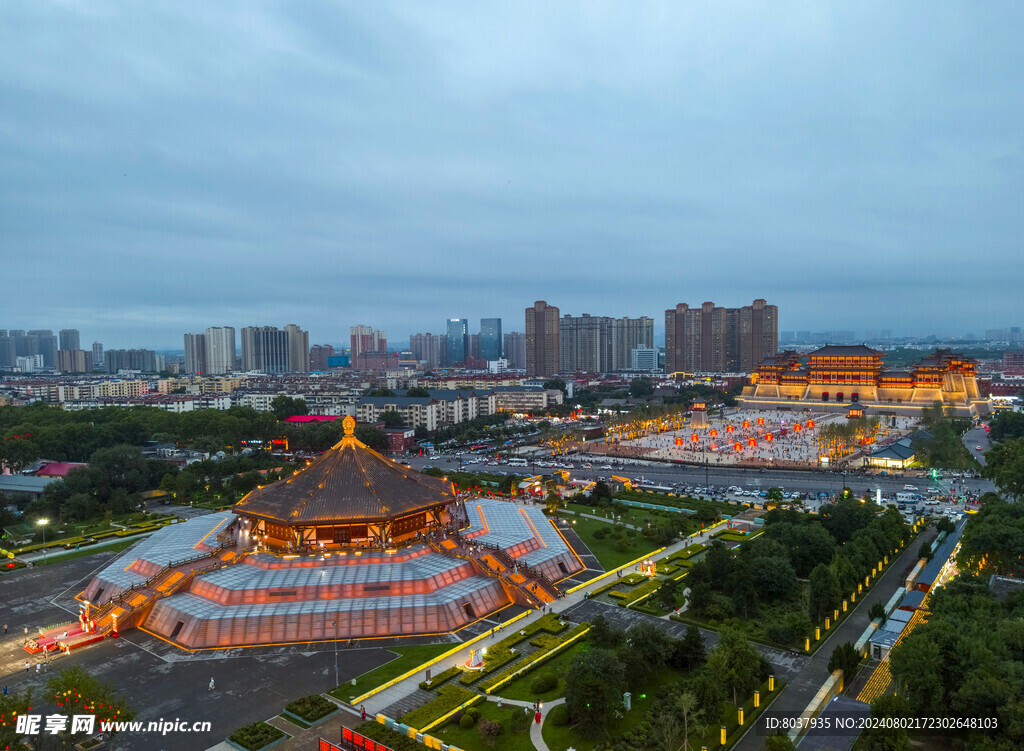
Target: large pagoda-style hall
{"type": "Point", "coordinates": [352, 546]}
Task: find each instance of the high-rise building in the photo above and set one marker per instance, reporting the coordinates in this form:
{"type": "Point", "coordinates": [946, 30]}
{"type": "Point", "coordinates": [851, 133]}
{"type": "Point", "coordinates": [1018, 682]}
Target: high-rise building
{"type": "Point", "coordinates": [44, 343]}
{"type": "Point", "coordinates": [585, 344]}
{"type": "Point", "coordinates": [318, 356]}
{"type": "Point", "coordinates": [264, 348]}
{"type": "Point", "coordinates": [97, 354]}
{"type": "Point", "coordinates": [542, 344]}
{"type": "Point", "coordinates": [490, 339]}
{"type": "Point", "coordinates": [599, 344]}
{"type": "Point", "coordinates": [629, 334]}
{"type": "Point", "coordinates": [644, 359]}
{"type": "Point", "coordinates": [74, 361]}
{"type": "Point", "coordinates": [714, 339]}
{"type": "Point", "coordinates": [515, 350]}
{"type": "Point", "coordinates": [8, 352]}
{"type": "Point", "coordinates": [143, 360]}
{"type": "Point", "coordinates": [69, 339]}
{"type": "Point", "coordinates": [195, 354]}
{"type": "Point", "coordinates": [220, 350]}
{"type": "Point", "coordinates": [458, 340]}
{"type": "Point", "coordinates": [298, 349]}
{"type": "Point", "coordinates": [430, 349]}
{"type": "Point", "coordinates": [366, 339]}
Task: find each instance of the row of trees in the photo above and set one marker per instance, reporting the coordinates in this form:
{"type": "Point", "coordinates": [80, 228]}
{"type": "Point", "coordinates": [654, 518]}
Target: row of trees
{"type": "Point", "coordinates": [761, 579]}
{"type": "Point", "coordinates": [617, 661]}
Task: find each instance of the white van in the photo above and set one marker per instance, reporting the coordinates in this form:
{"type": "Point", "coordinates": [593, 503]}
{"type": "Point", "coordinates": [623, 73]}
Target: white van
{"type": "Point", "coordinates": [516, 462]}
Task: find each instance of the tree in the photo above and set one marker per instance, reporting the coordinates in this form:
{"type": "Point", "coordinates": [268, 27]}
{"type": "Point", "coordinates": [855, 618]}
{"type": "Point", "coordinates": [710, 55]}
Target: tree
{"type": "Point", "coordinates": [686, 706]}
{"type": "Point", "coordinates": [12, 704]}
{"type": "Point", "coordinates": [845, 657]}
{"type": "Point", "coordinates": [556, 384]}
{"type": "Point", "coordinates": [77, 692]}
{"type": "Point", "coordinates": [735, 662]}
{"type": "Point", "coordinates": [1004, 465]}
{"type": "Point", "coordinates": [417, 391]}
{"type": "Point", "coordinates": [694, 647]}
{"type": "Point", "coordinates": [774, 494]}
{"type": "Point", "coordinates": [823, 592]}
{"type": "Point", "coordinates": [646, 652]}
{"type": "Point", "coordinates": [284, 407]}
{"type": "Point", "coordinates": [603, 636]}
{"type": "Point", "coordinates": [665, 729]}
{"type": "Point", "coordinates": [380, 392]}
{"type": "Point", "coordinates": [593, 691]}
{"type": "Point", "coordinates": [667, 594]}
{"type": "Point", "coordinates": [916, 665]}
{"type": "Point", "coordinates": [373, 437]}
{"type": "Point", "coordinates": [888, 706]}
{"type": "Point", "coordinates": [778, 743]}
{"type": "Point", "coordinates": [641, 386]}
{"type": "Point", "coordinates": [391, 419]}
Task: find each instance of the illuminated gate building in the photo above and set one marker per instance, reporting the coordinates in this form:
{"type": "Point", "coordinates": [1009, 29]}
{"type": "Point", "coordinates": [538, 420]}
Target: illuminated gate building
{"type": "Point", "coordinates": [352, 546]}
{"type": "Point", "coordinates": [834, 376]}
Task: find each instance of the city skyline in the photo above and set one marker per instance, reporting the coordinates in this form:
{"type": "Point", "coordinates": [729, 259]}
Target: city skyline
{"type": "Point", "coordinates": [823, 158]}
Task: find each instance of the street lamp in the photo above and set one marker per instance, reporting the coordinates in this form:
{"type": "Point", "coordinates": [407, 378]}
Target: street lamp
{"type": "Point", "coordinates": [335, 625]}
{"type": "Point", "coordinates": [42, 523]}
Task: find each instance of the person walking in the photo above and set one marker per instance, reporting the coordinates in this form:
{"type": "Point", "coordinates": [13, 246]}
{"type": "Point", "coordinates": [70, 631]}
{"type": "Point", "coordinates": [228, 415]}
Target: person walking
{"type": "Point", "coordinates": [5, 629]}
{"type": "Point", "coordinates": [27, 666]}
{"type": "Point", "coordinates": [211, 685]}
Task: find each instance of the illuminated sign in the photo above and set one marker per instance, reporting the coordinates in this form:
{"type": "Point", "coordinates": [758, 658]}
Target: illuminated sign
{"type": "Point", "coordinates": [350, 739]}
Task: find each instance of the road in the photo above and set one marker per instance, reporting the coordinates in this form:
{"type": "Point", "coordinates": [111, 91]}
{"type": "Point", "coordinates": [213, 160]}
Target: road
{"type": "Point", "coordinates": [977, 437]}
{"type": "Point", "coordinates": [813, 673]}
{"type": "Point", "coordinates": [750, 479]}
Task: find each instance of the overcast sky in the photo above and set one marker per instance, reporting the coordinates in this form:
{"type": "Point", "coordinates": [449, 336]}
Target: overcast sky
{"type": "Point", "coordinates": [171, 165]}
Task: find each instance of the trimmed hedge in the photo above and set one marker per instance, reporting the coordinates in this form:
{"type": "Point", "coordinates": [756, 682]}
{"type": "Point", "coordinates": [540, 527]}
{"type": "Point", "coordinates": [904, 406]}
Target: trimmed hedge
{"type": "Point", "coordinates": [441, 678]}
{"type": "Point", "coordinates": [311, 708]}
{"type": "Point", "coordinates": [501, 653]}
{"type": "Point", "coordinates": [256, 736]}
{"type": "Point", "coordinates": [448, 698]}
{"type": "Point", "coordinates": [544, 643]}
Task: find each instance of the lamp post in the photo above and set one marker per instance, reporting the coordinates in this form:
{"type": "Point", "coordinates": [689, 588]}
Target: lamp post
{"type": "Point", "coordinates": [42, 523]}
{"type": "Point", "coordinates": [335, 625]}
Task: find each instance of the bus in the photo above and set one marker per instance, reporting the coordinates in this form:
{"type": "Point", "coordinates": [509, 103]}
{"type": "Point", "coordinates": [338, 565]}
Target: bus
{"type": "Point", "coordinates": [516, 462]}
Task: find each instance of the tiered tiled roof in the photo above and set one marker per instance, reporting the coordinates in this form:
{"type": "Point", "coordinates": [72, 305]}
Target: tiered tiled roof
{"type": "Point", "coordinates": [350, 483]}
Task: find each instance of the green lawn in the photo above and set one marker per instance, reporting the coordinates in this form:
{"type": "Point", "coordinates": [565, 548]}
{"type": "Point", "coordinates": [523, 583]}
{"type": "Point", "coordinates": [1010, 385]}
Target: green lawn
{"type": "Point", "coordinates": [605, 549]}
{"type": "Point", "coordinates": [406, 658]}
{"type": "Point", "coordinates": [454, 735]}
{"type": "Point", "coordinates": [519, 689]}
{"type": "Point", "coordinates": [562, 737]}
{"type": "Point", "coordinates": [60, 557]}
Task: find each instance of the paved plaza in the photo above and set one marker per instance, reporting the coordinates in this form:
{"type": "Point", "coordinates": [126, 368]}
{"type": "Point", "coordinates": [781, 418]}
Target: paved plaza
{"type": "Point", "coordinates": [792, 444]}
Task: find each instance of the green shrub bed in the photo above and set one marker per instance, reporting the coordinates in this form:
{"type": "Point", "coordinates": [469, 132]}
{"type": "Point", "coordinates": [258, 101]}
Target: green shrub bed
{"type": "Point", "coordinates": [441, 678]}
{"type": "Point", "coordinates": [545, 643]}
{"type": "Point", "coordinates": [448, 698]}
{"type": "Point", "coordinates": [256, 736]}
{"type": "Point", "coordinates": [501, 653]}
{"type": "Point", "coordinates": [311, 708]}
{"type": "Point", "coordinates": [642, 591]}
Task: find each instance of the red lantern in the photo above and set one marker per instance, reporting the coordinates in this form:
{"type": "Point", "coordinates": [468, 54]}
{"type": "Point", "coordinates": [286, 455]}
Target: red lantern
{"type": "Point", "coordinates": [769, 437]}
{"type": "Point", "coordinates": [797, 428]}
{"type": "Point", "coordinates": [679, 440]}
{"type": "Point", "coordinates": [729, 428]}
{"type": "Point", "coordinates": [810, 423]}
{"type": "Point", "coordinates": [760, 421]}
{"type": "Point", "coordinates": [738, 446]}
{"type": "Point", "coordinates": [751, 442]}
{"type": "Point", "coordinates": [714, 433]}
{"type": "Point", "coordinates": [746, 424]}
{"type": "Point", "coordinates": [694, 438]}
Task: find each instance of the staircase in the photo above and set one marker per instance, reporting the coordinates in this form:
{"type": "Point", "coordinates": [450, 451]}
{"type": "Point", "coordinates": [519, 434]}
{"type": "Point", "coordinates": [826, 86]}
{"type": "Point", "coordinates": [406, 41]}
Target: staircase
{"type": "Point", "coordinates": [522, 582]}
{"type": "Point", "coordinates": [129, 608]}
